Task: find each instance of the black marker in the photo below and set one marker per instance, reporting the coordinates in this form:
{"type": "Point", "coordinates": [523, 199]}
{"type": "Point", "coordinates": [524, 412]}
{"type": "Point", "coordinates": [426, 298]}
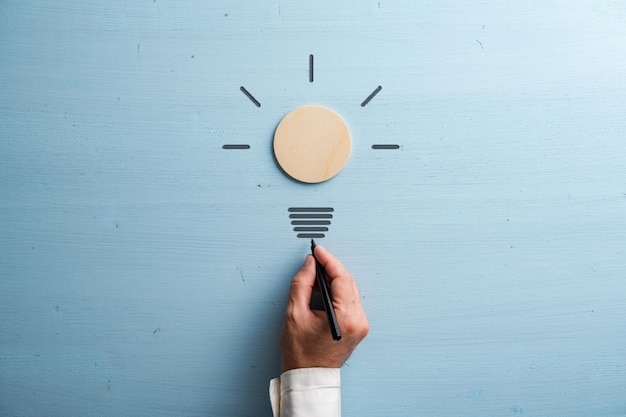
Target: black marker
{"type": "Point", "coordinates": [320, 274]}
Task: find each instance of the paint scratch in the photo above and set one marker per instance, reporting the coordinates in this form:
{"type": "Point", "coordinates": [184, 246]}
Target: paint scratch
{"type": "Point", "coordinates": [480, 43]}
{"type": "Point", "coordinates": [243, 278]}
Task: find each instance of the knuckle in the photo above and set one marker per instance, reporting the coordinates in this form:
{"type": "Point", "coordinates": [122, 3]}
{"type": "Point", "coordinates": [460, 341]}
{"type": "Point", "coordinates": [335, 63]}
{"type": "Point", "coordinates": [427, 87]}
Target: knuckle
{"type": "Point", "coordinates": [358, 328]}
{"type": "Point", "coordinates": [365, 329]}
{"type": "Point", "coordinates": [291, 316]}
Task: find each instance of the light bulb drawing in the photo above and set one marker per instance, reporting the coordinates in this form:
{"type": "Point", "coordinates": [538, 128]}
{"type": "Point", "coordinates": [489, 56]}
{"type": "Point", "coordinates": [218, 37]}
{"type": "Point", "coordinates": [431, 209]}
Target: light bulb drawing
{"type": "Point", "coordinates": [311, 144]}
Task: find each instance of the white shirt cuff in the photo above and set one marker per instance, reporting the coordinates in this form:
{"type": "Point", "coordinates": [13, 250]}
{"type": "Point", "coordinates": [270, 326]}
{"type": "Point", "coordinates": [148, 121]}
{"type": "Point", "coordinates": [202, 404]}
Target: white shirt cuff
{"type": "Point", "coordinates": [307, 392]}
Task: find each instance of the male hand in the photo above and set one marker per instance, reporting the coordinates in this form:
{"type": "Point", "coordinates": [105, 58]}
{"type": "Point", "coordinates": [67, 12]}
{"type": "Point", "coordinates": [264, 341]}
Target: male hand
{"type": "Point", "coordinates": [305, 340]}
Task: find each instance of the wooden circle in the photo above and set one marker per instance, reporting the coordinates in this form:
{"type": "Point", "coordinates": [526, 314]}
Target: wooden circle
{"type": "Point", "coordinates": [312, 144]}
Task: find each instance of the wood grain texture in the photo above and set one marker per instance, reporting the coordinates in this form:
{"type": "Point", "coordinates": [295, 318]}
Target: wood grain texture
{"type": "Point", "coordinates": [144, 268]}
{"type": "Point", "coordinates": [312, 144]}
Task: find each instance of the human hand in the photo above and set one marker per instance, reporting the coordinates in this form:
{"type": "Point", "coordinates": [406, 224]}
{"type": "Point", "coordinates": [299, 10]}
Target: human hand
{"type": "Point", "coordinates": [305, 340]}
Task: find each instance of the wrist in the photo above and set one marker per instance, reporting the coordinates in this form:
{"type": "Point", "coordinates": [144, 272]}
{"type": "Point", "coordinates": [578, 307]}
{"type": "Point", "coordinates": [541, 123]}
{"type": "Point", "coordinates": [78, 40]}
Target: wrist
{"type": "Point", "coordinates": [289, 363]}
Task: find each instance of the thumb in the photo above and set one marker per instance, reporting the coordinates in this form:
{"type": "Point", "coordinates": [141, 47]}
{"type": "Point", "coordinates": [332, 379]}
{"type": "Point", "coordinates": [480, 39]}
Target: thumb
{"type": "Point", "coordinates": [333, 267]}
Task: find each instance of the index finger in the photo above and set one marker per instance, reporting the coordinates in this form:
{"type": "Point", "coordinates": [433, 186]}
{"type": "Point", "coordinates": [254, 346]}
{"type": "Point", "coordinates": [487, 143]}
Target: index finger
{"type": "Point", "coordinates": [302, 284]}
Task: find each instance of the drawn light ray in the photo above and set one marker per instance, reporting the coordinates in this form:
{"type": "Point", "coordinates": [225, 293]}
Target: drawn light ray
{"type": "Point", "coordinates": [235, 146]}
{"type": "Point", "coordinates": [250, 96]}
{"type": "Point", "coordinates": [257, 103]}
{"type": "Point", "coordinates": [371, 96]}
{"type": "Point", "coordinates": [386, 146]}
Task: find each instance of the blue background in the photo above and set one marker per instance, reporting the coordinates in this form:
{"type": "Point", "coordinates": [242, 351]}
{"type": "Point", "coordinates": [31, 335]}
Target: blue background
{"type": "Point", "coordinates": [144, 269]}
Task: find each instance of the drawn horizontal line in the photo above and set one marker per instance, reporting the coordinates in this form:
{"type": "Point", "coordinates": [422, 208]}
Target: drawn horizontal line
{"type": "Point", "coordinates": [235, 146]}
{"type": "Point", "coordinates": [311, 216]}
{"type": "Point", "coordinates": [310, 209]}
{"type": "Point", "coordinates": [250, 96]}
{"type": "Point", "coordinates": [310, 222]}
{"type": "Point", "coordinates": [385, 146]}
{"type": "Point", "coordinates": [311, 235]}
{"type": "Point", "coordinates": [371, 96]}
{"type": "Point", "coordinates": [310, 229]}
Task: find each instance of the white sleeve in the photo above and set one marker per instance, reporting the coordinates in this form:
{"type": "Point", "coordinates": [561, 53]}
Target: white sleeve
{"type": "Point", "coordinates": [307, 392]}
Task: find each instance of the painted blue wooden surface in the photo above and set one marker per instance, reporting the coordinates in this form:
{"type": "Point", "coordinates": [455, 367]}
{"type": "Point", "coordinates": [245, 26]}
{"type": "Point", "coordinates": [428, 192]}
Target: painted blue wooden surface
{"type": "Point", "coordinates": [144, 269]}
